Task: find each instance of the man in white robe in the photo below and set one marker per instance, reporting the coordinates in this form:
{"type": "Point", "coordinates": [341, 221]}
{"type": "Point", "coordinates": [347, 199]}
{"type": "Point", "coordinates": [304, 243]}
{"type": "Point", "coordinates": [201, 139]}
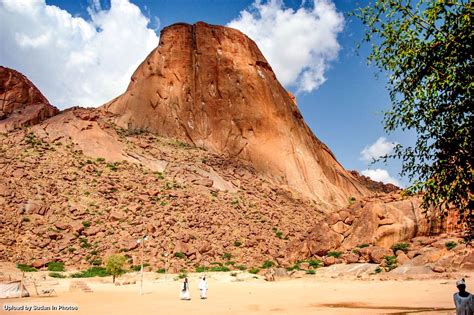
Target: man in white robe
{"type": "Point", "coordinates": [463, 300]}
{"type": "Point", "coordinates": [184, 294]}
{"type": "Point", "coordinates": [203, 288]}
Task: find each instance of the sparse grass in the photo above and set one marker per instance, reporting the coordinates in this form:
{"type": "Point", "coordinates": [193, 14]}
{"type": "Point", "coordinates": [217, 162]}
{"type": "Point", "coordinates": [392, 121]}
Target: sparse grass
{"type": "Point", "coordinates": [219, 269]}
{"type": "Point", "coordinates": [334, 254]}
{"type": "Point", "coordinates": [113, 166]}
{"type": "Point", "coordinates": [311, 272]}
{"type": "Point", "coordinates": [138, 267]}
{"type": "Point", "coordinates": [254, 270]}
{"type": "Point", "coordinates": [180, 255]}
{"type": "Point", "coordinates": [56, 275]}
{"type": "Point", "coordinates": [56, 266]}
{"type": "Point", "coordinates": [450, 245]}
{"type": "Point", "coordinates": [352, 200]}
{"type": "Point", "coordinates": [241, 267]}
{"type": "Point", "coordinates": [26, 268]}
{"type": "Point", "coordinates": [71, 249]}
{"type": "Point", "coordinates": [364, 245]}
{"type": "Point", "coordinates": [160, 175]}
{"type": "Point", "coordinates": [229, 263]}
{"type": "Point", "coordinates": [268, 264]}
{"type": "Point", "coordinates": [226, 256]}
{"type": "Point", "coordinates": [100, 160]}
{"type": "Point", "coordinates": [378, 270]}
{"type": "Point", "coordinates": [86, 224]}
{"type": "Point", "coordinates": [391, 262]}
{"type": "Point", "coordinates": [279, 234]}
{"type": "Point", "coordinates": [237, 243]}
{"type": "Point", "coordinates": [401, 246]}
{"type": "Point", "coordinates": [91, 272]}
{"type": "Point", "coordinates": [182, 275]}
{"type": "Point", "coordinates": [315, 263]}
{"type": "Point", "coordinates": [161, 270]}
{"type": "Point", "coordinates": [201, 269]}
{"type": "Point", "coordinates": [25, 219]}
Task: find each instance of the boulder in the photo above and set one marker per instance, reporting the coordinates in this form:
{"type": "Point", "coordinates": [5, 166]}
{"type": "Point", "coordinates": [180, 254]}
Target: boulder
{"type": "Point", "coordinates": [377, 254]}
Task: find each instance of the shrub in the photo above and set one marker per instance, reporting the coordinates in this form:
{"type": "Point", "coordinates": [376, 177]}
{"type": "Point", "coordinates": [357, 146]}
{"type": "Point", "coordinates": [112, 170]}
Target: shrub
{"type": "Point", "coordinates": [99, 159]}
{"type": "Point", "coordinates": [56, 266]}
{"type": "Point", "coordinates": [114, 265]}
{"type": "Point", "coordinates": [254, 270]}
{"type": "Point", "coordinates": [311, 272]}
{"type": "Point", "coordinates": [378, 270]}
{"type": "Point", "coordinates": [226, 256]}
{"type": "Point", "coordinates": [400, 246]}
{"type": "Point", "coordinates": [241, 267]}
{"type": "Point", "coordinates": [86, 224]}
{"type": "Point", "coordinates": [161, 270]}
{"type": "Point", "coordinates": [268, 264]}
{"type": "Point", "coordinates": [71, 249]}
{"type": "Point", "coordinates": [26, 268]}
{"type": "Point", "coordinates": [352, 200]}
{"type": "Point", "coordinates": [279, 234]}
{"type": "Point", "coordinates": [219, 269]}
{"type": "Point", "coordinates": [201, 269]}
{"type": "Point", "coordinates": [363, 245]}
{"type": "Point", "coordinates": [315, 263]}
{"type": "Point", "coordinates": [391, 262]}
{"type": "Point", "coordinates": [25, 219]}
{"type": "Point", "coordinates": [91, 272]}
{"type": "Point", "coordinates": [296, 266]}
{"type": "Point", "coordinates": [237, 243]}
{"type": "Point", "coordinates": [180, 255]}
{"type": "Point", "coordinates": [450, 245]}
{"type": "Point", "coordinates": [182, 275]}
{"type": "Point", "coordinates": [233, 274]}
{"type": "Point", "coordinates": [229, 263]}
{"type": "Point", "coordinates": [96, 262]}
{"type": "Point", "coordinates": [56, 275]}
{"type": "Point", "coordinates": [334, 254]}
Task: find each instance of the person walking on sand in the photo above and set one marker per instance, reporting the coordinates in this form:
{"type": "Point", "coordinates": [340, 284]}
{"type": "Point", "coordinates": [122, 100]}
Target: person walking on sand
{"type": "Point", "coordinates": [184, 295]}
{"type": "Point", "coordinates": [463, 300]}
{"type": "Point", "coordinates": [203, 288]}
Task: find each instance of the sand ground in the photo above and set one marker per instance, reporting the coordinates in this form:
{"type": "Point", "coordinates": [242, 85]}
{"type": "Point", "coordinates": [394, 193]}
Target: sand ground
{"type": "Point", "coordinates": [308, 295]}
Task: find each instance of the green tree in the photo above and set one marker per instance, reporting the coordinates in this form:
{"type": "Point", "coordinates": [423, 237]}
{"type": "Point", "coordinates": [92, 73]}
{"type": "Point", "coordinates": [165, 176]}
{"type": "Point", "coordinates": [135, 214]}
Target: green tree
{"type": "Point", "coordinates": [114, 265]}
{"type": "Point", "coordinates": [425, 48]}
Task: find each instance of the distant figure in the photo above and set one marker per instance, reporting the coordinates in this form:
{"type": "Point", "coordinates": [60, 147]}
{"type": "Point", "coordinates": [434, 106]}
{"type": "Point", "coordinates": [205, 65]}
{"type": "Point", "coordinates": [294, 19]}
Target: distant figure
{"type": "Point", "coordinates": [184, 295]}
{"type": "Point", "coordinates": [463, 300]}
{"type": "Point", "coordinates": [203, 288]}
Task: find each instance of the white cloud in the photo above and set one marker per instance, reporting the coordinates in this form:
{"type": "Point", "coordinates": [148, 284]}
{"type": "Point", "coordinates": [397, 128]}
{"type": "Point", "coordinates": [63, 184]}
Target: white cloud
{"type": "Point", "coordinates": [74, 61]}
{"type": "Point", "coordinates": [380, 148]}
{"type": "Point", "coordinates": [380, 175]}
{"type": "Point", "coordinates": [298, 44]}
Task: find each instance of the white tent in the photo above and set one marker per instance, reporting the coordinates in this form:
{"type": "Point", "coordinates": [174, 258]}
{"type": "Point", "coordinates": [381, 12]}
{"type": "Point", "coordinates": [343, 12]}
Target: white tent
{"type": "Point", "coordinates": [12, 289]}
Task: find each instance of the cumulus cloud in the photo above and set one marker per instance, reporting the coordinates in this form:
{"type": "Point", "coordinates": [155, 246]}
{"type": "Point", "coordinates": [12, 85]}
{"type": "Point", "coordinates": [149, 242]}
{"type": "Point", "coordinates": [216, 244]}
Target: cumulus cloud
{"type": "Point", "coordinates": [298, 44]}
{"type": "Point", "coordinates": [380, 148]}
{"type": "Point", "coordinates": [380, 175]}
{"type": "Point", "coordinates": [74, 61]}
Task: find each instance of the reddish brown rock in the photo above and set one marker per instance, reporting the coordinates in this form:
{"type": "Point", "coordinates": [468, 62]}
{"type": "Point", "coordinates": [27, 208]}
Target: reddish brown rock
{"type": "Point", "coordinates": [21, 103]}
{"type": "Point", "coordinates": [211, 86]}
{"type": "Point", "coordinates": [377, 254]}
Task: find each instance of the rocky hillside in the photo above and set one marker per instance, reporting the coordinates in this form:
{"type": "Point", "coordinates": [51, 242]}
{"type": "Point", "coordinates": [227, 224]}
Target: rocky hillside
{"type": "Point", "coordinates": [211, 87]}
{"type": "Point", "coordinates": [21, 103]}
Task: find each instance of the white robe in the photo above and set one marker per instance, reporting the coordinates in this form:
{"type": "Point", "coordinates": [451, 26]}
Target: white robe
{"type": "Point", "coordinates": [203, 288]}
{"type": "Point", "coordinates": [464, 305]}
{"type": "Point", "coordinates": [184, 294]}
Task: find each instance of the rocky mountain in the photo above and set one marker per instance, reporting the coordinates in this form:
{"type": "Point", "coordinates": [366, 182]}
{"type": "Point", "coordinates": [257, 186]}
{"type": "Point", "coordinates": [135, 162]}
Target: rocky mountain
{"type": "Point", "coordinates": [210, 86]}
{"type": "Point", "coordinates": [21, 103]}
{"type": "Point", "coordinates": [205, 152]}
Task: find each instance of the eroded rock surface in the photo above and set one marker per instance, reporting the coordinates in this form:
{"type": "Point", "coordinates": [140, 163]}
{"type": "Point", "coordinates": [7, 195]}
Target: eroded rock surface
{"type": "Point", "coordinates": [211, 87]}
{"type": "Point", "coordinates": [21, 103]}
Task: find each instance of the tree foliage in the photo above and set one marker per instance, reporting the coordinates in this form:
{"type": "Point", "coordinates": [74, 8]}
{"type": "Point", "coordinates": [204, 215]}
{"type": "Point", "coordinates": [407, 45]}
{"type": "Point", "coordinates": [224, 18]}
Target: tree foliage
{"type": "Point", "coordinates": [114, 265]}
{"type": "Point", "coordinates": [426, 49]}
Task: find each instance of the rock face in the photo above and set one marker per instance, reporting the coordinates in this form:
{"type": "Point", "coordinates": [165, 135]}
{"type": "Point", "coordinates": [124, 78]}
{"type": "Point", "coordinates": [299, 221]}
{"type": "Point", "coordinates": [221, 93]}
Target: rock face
{"type": "Point", "coordinates": [211, 87]}
{"type": "Point", "coordinates": [382, 221]}
{"type": "Point", "coordinates": [21, 103]}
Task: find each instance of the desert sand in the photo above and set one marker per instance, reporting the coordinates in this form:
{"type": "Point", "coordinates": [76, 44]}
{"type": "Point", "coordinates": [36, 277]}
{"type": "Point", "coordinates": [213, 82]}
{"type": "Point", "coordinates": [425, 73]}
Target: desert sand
{"type": "Point", "coordinates": [307, 295]}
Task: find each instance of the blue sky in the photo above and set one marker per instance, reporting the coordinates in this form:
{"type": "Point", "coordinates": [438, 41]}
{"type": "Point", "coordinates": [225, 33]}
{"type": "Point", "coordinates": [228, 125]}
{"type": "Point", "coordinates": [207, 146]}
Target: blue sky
{"type": "Point", "coordinates": [344, 109]}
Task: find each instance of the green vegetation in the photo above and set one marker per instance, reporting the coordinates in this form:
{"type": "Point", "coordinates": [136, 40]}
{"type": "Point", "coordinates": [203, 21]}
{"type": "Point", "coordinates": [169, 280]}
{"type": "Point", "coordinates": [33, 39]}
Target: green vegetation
{"type": "Point", "coordinates": [401, 246]}
{"type": "Point", "coordinates": [180, 255]}
{"type": "Point", "coordinates": [237, 243]}
{"type": "Point", "coordinates": [352, 200]}
{"type": "Point", "coordinates": [229, 263]}
{"type": "Point", "coordinates": [160, 175]}
{"type": "Point", "coordinates": [450, 245]}
{"type": "Point", "coordinates": [161, 270]}
{"type": "Point", "coordinates": [113, 166]}
{"type": "Point", "coordinates": [182, 275]}
{"type": "Point", "coordinates": [241, 267]}
{"type": "Point", "coordinates": [201, 269]}
{"type": "Point", "coordinates": [56, 266]}
{"type": "Point", "coordinates": [311, 272]}
{"type": "Point", "coordinates": [364, 245]}
{"type": "Point", "coordinates": [114, 265]}
{"type": "Point", "coordinates": [25, 219]}
{"type": "Point", "coordinates": [99, 159]}
{"type": "Point", "coordinates": [334, 254]}
{"type": "Point", "coordinates": [378, 270]}
{"type": "Point", "coordinates": [296, 266]}
{"type": "Point", "coordinates": [267, 264]}
{"type": "Point", "coordinates": [391, 262]}
{"type": "Point", "coordinates": [139, 267]}
{"type": "Point", "coordinates": [86, 224]}
{"type": "Point", "coordinates": [425, 48]}
{"type": "Point", "coordinates": [315, 263]}
{"type": "Point", "coordinates": [226, 256]}
{"type": "Point", "coordinates": [56, 275]}
{"type": "Point", "coordinates": [26, 268]}
{"type": "Point", "coordinates": [254, 270]}
{"type": "Point", "coordinates": [219, 269]}
{"type": "Point", "coordinates": [84, 243]}
{"type": "Point", "coordinates": [91, 272]}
